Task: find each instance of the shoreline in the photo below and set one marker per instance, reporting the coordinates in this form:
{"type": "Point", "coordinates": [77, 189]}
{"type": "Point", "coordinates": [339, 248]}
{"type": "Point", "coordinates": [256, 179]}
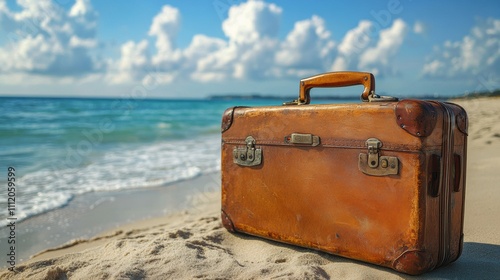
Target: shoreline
{"type": "Point", "coordinates": [193, 244]}
{"type": "Point", "coordinates": [95, 213]}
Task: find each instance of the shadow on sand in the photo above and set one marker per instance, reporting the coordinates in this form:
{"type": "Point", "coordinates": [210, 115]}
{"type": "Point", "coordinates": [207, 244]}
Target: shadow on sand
{"type": "Point", "coordinates": [478, 261]}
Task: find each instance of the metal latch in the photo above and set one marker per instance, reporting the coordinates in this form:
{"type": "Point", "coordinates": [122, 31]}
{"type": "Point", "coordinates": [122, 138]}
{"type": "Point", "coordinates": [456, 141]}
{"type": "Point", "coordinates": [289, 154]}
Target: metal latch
{"type": "Point", "coordinates": [374, 164]}
{"type": "Point", "coordinates": [302, 139]}
{"type": "Point", "coordinates": [249, 155]}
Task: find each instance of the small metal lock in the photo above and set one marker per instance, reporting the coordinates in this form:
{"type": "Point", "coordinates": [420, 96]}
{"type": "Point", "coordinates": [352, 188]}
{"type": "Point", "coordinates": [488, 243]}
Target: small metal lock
{"type": "Point", "coordinates": [374, 164]}
{"type": "Point", "coordinates": [248, 155]}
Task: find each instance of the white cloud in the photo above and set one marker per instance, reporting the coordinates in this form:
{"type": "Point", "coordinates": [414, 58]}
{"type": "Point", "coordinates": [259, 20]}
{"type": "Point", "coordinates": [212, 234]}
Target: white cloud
{"type": "Point", "coordinates": [433, 67]}
{"type": "Point", "coordinates": [306, 47]}
{"type": "Point", "coordinates": [252, 49]}
{"type": "Point", "coordinates": [134, 59]}
{"type": "Point", "coordinates": [202, 45]}
{"type": "Point", "coordinates": [255, 62]}
{"type": "Point", "coordinates": [136, 63]}
{"type": "Point", "coordinates": [252, 21]}
{"type": "Point", "coordinates": [378, 59]}
{"type": "Point", "coordinates": [218, 65]}
{"type": "Point", "coordinates": [478, 53]}
{"type": "Point", "coordinates": [352, 46]}
{"type": "Point", "coordinates": [81, 8]}
{"type": "Point", "coordinates": [165, 27]}
{"type": "Point", "coordinates": [419, 27]}
{"type": "Point", "coordinates": [201, 48]}
{"type": "Point", "coordinates": [76, 42]}
{"type": "Point", "coordinates": [47, 40]}
{"type": "Point", "coordinates": [252, 29]}
{"type": "Point", "coordinates": [361, 52]}
{"type": "Point", "coordinates": [44, 39]}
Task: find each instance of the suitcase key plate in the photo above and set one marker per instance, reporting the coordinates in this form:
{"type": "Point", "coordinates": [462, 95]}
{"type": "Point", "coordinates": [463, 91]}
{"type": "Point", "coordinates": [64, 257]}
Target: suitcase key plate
{"type": "Point", "coordinates": [302, 139]}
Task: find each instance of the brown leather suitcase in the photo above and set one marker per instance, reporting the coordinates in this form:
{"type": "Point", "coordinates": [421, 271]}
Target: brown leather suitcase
{"type": "Point", "coordinates": [382, 181]}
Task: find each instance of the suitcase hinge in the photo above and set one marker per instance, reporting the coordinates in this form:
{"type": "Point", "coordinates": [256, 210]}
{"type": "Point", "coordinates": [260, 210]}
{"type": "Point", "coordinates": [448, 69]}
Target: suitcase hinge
{"type": "Point", "coordinates": [374, 164]}
{"type": "Point", "coordinates": [249, 155]}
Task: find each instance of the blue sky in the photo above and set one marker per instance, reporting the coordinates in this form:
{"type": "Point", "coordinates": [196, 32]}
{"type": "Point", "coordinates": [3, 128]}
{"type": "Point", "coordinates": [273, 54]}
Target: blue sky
{"type": "Point", "coordinates": [180, 49]}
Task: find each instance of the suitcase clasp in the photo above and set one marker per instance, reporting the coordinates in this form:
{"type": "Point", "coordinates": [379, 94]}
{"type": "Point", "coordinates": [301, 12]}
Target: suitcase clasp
{"type": "Point", "coordinates": [249, 155]}
{"type": "Point", "coordinates": [374, 164]}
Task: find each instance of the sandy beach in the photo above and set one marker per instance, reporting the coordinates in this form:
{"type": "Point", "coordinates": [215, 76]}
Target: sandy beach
{"type": "Point", "coordinates": [193, 244]}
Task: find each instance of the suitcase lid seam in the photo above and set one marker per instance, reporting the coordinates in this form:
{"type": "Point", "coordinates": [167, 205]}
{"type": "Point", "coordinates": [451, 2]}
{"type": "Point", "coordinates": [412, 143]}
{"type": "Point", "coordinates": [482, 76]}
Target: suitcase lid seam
{"type": "Point", "coordinates": [348, 144]}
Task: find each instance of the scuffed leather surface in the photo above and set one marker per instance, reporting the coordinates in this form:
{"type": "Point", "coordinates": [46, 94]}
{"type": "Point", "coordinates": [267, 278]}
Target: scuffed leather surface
{"type": "Point", "coordinates": [317, 198]}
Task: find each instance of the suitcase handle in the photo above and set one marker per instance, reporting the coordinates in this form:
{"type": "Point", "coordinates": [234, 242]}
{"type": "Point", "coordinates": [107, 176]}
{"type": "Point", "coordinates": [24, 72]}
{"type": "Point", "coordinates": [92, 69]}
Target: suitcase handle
{"type": "Point", "coordinates": [337, 79]}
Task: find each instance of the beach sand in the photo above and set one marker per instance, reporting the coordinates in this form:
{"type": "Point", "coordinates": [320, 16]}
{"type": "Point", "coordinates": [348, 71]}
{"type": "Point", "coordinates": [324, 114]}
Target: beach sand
{"type": "Point", "coordinates": [193, 243]}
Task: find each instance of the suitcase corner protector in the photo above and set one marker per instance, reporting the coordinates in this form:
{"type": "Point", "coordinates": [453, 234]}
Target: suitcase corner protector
{"type": "Point", "coordinates": [226, 221]}
{"type": "Point", "coordinates": [227, 118]}
{"type": "Point", "coordinates": [413, 262]}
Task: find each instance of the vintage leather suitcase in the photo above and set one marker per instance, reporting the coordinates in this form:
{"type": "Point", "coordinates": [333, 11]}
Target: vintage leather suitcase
{"type": "Point", "coordinates": [382, 181]}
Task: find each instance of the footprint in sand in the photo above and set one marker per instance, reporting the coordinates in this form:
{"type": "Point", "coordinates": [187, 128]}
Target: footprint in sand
{"type": "Point", "coordinates": [180, 233]}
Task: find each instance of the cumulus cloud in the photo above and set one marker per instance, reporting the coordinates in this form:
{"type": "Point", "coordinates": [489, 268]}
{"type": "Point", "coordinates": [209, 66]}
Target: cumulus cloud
{"type": "Point", "coordinates": [360, 51]}
{"type": "Point", "coordinates": [306, 49]}
{"type": "Point", "coordinates": [47, 40]}
{"type": "Point", "coordinates": [136, 63]}
{"type": "Point", "coordinates": [133, 61]}
{"type": "Point", "coordinates": [478, 53]}
{"type": "Point", "coordinates": [251, 29]}
{"type": "Point", "coordinates": [252, 21]}
{"type": "Point", "coordinates": [165, 27]}
{"type": "Point", "coordinates": [355, 42]}
{"type": "Point", "coordinates": [44, 39]}
{"type": "Point", "coordinates": [378, 58]}
{"type": "Point", "coordinates": [251, 50]}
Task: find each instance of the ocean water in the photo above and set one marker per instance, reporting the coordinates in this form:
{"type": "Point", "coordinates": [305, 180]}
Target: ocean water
{"type": "Point", "coordinates": [62, 148]}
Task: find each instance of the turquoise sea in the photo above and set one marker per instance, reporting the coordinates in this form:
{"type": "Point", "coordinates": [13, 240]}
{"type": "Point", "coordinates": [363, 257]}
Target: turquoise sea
{"type": "Point", "coordinates": [61, 148]}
